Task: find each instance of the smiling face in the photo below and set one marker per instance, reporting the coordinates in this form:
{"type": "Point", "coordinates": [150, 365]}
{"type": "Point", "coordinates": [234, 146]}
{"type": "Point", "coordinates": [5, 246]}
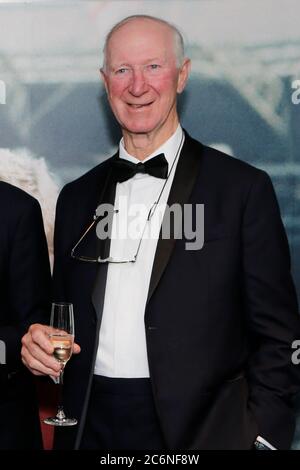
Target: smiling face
{"type": "Point", "coordinates": [142, 78]}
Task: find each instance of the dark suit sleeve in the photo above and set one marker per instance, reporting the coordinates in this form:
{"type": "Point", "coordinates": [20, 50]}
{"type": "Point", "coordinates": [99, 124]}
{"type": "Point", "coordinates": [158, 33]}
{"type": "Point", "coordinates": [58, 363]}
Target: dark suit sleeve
{"type": "Point", "coordinates": [28, 281]}
{"type": "Point", "coordinates": [272, 315]}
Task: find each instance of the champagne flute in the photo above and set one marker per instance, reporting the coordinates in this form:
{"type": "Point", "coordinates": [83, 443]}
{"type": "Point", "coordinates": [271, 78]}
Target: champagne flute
{"type": "Point", "coordinates": [62, 339]}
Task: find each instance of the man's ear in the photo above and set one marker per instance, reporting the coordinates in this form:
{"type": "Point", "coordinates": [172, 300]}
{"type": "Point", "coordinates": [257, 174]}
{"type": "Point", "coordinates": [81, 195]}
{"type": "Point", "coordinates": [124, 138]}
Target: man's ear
{"type": "Point", "coordinates": [183, 75]}
{"type": "Point", "coordinates": [103, 78]}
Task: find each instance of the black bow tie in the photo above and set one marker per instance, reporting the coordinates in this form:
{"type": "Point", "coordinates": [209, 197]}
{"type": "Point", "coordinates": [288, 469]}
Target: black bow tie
{"type": "Point", "coordinates": [124, 170]}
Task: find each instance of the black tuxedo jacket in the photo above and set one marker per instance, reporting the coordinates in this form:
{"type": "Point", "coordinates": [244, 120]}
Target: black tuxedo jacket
{"type": "Point", "coordinates": [219, 321]}
{"type": "Point", "coordinates": [25, 284]}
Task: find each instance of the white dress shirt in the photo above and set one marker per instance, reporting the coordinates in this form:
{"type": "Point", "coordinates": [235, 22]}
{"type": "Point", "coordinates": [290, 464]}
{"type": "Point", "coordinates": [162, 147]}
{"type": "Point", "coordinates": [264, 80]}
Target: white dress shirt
{"type": "Point", "coordinates": [122, 350]}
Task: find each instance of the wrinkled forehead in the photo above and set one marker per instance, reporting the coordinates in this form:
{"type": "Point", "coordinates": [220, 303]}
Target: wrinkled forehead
{"type": "Point", "coordinates": [139, 41]}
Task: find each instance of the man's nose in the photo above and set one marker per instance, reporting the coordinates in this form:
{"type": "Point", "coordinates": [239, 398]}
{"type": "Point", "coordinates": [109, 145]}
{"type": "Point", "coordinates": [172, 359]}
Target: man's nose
{"type": "Point", "coordinates": [138, 85]}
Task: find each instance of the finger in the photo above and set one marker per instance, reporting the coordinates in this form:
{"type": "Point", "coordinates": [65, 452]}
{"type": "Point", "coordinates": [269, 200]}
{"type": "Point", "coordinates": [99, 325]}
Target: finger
{"type": "Point", "coordinates": [76, 348]}
{"type": "Point", "coordinates": [35, 372]}
{"type": "Point", "coordinates": [40, 355]}
{"type": "Point", "coordinates": [39, 334]}
{"type": "Point", "coordinates": [36, 366]}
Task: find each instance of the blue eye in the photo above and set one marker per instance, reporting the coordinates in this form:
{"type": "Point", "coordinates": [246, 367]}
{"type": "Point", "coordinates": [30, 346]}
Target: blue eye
{"type": "Point", "coordinates": [121, 71]}
{"type": "Point", "coordinates": [154, 66]}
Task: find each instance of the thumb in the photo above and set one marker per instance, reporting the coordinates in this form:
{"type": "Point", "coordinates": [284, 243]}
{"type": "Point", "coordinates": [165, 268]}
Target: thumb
{"type": "Point", "coordinates": [76, 348]}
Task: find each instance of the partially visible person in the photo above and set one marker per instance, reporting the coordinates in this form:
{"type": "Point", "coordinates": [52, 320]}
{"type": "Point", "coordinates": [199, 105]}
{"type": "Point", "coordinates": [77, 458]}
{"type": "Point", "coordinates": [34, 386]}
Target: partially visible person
{"type": "Point", "coordinates": [24, 299]}
{"type": "Point", "coordinates": [31, 174]}
{"type": "Point", "coordinates": [25, 171]}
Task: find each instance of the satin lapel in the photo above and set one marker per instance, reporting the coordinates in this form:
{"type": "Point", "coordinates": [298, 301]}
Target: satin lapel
{"type": "Point", "coordinates": [183, 183]}
{"type": "Point", "coordinates": [107, 196]}
{"type": "Point", "coordinates": [98, 290]}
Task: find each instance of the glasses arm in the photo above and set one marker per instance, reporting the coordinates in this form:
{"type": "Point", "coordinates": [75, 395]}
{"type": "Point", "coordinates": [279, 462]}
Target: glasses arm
{"type": "Point", "coordinates": [82, 237]}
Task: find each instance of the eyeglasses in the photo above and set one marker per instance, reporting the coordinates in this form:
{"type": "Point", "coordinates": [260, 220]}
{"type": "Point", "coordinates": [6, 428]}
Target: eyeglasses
{"type": "Point", "coordinates": [110, 259]}
{"type": "Point", "coordinates": [96, 216]}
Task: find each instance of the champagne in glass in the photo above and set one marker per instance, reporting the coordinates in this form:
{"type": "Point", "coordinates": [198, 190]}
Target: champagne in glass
{"type": "Point", "coordinates": [62, 339]}
{"type": "Point", "coordinates": [62, 347]}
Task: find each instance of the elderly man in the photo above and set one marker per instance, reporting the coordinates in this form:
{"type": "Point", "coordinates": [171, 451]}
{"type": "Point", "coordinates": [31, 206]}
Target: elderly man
{"type": "Point", "coordinates": [25, 294]}
{"type": "Point", "coordinates": [180, 348]}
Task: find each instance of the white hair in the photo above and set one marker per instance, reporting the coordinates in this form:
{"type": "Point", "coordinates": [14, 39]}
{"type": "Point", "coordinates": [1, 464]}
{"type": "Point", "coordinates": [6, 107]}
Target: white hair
{"type": "Point", "coordinates": [178, 38]}
{"type": "Point", "coordinates": [31, 174]}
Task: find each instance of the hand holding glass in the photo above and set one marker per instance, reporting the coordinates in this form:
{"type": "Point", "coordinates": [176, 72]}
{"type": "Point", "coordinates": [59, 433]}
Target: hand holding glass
{"type": "Point", "coordinates": [62, 339]}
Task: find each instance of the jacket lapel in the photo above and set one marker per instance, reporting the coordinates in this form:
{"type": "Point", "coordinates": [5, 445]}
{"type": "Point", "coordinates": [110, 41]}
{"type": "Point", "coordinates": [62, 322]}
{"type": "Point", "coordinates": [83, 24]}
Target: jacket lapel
{"type": "Point", "coordinates": [98, 279]}
{"type": "Point", "coordinates": [101, 247]}
{"type": "Point", "coordinates": [183, 183]}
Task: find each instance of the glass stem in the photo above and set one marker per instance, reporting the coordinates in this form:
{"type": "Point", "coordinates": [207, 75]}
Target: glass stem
{"type": "Point", "coordinates": [60, 412]}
